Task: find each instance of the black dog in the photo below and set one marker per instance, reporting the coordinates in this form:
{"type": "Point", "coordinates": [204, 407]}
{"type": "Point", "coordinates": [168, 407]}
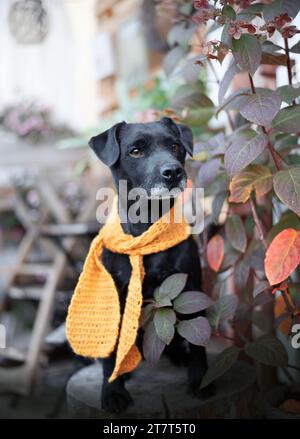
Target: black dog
{"type": "Point", "coordinates": [150, 155]}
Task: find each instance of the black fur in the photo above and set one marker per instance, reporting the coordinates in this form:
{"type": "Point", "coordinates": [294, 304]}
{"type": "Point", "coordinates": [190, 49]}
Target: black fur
{"type": "Point", "coordinates": [156, 140]}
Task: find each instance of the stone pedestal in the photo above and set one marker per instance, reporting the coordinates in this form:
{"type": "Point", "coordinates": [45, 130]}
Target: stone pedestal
{"type": "Point", "coordinates": [160, 392]}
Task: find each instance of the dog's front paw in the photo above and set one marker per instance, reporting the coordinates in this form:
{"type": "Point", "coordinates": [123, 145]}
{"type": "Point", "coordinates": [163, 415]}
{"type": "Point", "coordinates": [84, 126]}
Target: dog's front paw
{"type": "Point", "coordinates": [115, 399]}
{"type": "Point", "coordinates": [177, 354]}
{"type": "Point", "coordinates": [194, 389]}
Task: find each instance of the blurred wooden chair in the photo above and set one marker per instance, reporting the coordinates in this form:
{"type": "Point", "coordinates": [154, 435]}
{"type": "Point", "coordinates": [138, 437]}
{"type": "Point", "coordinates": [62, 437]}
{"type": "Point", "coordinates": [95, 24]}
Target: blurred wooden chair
{"type": "Point", "coordinates": [19, 367]}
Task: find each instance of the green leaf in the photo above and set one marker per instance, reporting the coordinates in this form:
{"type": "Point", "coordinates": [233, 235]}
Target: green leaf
{"type": "Point", "coordinates": [247, 53]}
{"type": "Point", "coordinates": [222, 364]}
{"type": "Point", "coordinates": [243, 151]}
{"type": "Point", "coordinates": [288, 220]}
{"type": "Point", "coordinates": [171, 287]}
{"type": "Point", "coordinates": [208, 171]}
{"type": "Point", "coordinates": [198, 116]}
{"type": "Point", "coordinates": [249, 13]}
{"type": "Point", "coordinates": [260, 287]}
{"type": "Point", "coordinates": [164, 321]}
{"type": "Point", "coordinates": [146, 314]}
{"type": "Point", "coordinates": [278, 7]}
{"type": "Point", "coordinates": [241, 273]}
{"type": "Point", "coordinates": [269, 47]}
{"type": "Point", "coordinates": [229, 12]}
{"type": "Point", "coordinates": [153, 346]}
{"type": "Point", "coordinates": [226, 39]}
{"type": "Point", "coordinates": [226, 80]}
{"type": "Point", "coordinates": [181, 33]}
{"type": "Point", "coordinates": [293, 159]}
{"type": "Point", "coordinates": [272, 59]}
{"type": "Point", "coordinates": [192, 67]}
{"type": "Point", "coordinates": [254, 177]}
{"type": "Point", "coordinates": [217, 205]}
{"type": "Point", "coordinates": [288, 93]}
{"type": "Point", "coordinates": [256, 255]}
{"type": "Point", "coordinates": [197, 331]}
{"type": "Point", "coordinates": [212, 146]}
{"type": "Point", "coordinates": [295, 48]}
{"type": "Point", "coordinates": [219, 185]}
{"type": "Point", "coordinates": [268, 350]}
{"type": "Point", "coordinates": [172, 59]}
{"type": "Point", "coordinates": [234, 101]}
{"type": "Point", "coordinates": [261, 107]}
{"type": "Point", "coordinates": [189, 96]}
{"type": "Point", "coordinates": [288, 119]}
{"type": "Point", "coordinates": [192, 301]}
{"type": "Point", "coordinates": [287, 187]}
{"type": "Point", "coordinates": [236, 233]}
{"type": "Point", "coordinates": [231, 256]}
{"type": "Point", "coordinates": [285, 143]}
{"type": "Point", "coordinates": [223, 309]}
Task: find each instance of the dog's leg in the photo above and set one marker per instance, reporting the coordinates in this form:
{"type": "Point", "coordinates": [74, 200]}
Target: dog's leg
{"type": "Point", "coordinates": [177, 352]}
{"type": "Point", "coordinates": [115, 397]}
{"type": "Point", "coordinates": [196, 370]}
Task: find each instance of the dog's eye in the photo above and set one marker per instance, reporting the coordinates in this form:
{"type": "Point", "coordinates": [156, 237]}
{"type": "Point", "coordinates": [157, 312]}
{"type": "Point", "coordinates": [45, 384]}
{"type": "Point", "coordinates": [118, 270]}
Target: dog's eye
{"type": "Point", "coordinates": [175, 147]}
{"type": "Point", "coordinates": [136, 153]}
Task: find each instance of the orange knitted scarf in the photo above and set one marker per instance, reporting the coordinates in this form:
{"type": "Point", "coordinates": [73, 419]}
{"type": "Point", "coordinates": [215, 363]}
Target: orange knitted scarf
{"type": "Point", "coordinates": [94, 324]}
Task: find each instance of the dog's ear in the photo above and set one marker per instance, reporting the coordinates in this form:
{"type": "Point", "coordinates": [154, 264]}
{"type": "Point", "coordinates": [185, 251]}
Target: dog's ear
{"type": "Point", "coordinates": [186, 136]}
{"type": "Point", "coordinates": [106, 145]}
{"type": "Point", "coordinates": [185, 133]}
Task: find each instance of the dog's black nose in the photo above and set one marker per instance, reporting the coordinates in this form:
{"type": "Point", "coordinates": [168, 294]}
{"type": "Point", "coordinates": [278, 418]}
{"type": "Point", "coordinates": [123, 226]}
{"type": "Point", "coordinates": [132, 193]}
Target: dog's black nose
{"type": "Point", "coordinates": [171, 171]}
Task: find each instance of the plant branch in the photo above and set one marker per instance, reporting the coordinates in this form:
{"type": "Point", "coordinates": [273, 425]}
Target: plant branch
{"type": "Point", "coordinates": [289, 64]}
{"type": "Point", "coordinates": [258, 223]}
{"type": "Point", "coordinates": [269, 144]}
{"type": "Point", "coordinates": [252, 84]}
{"type": "Point", "coordinates": [288, 305]}
{"type": "Point", "coordinates": [273, 152]}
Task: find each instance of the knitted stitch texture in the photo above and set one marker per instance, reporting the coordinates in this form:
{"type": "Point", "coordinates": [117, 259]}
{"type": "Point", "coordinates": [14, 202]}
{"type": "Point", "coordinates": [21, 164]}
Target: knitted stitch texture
{"type": "Point", "coordinates": [94, 324]}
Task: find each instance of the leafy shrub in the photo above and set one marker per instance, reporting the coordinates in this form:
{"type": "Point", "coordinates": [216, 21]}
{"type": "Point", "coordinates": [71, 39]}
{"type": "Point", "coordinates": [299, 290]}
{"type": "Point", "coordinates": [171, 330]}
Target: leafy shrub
{"type": "Point", "coordinates": [254, 169]}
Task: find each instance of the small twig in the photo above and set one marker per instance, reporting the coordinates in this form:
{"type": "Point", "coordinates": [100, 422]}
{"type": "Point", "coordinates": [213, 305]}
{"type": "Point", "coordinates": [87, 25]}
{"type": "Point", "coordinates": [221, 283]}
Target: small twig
{"type": "Point", "coordinates": [258, 223]}
{"type": "Point", "coordinates": [289, 64]}
{"type": "Point", "coordinates": [289, 307]}
{"type": "Point", "coordinates": [252, 84]}
{"type": "Point", "coordinates": [273, 152]}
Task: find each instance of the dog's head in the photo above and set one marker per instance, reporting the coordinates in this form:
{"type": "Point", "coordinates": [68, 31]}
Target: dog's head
{"type": "Point", "coordinates": [150, 155]}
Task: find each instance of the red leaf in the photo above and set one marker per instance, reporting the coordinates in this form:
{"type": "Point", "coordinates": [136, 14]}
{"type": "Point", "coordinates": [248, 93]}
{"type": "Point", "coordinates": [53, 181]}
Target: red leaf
{"type": "Point", "coordinates": [215, 252]}
{"type": "Point", "coordinates": [282, 256]}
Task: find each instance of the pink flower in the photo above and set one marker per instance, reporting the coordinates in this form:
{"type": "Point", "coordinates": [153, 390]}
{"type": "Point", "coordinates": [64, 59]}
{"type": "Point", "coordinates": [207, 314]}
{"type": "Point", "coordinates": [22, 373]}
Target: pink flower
{"type": "Point", "coordinates": [234, 30]}
{"type": "Point", "coordinates": [199, 4]}
{"type": "Point", "coordinates": [203, 15]}
{"type": "Point", "coordinates": [237, 28]}
{"type": "Point", "coordinates": [282, 20]}
{"type": "Point", "coordinates": [251, 29]}
{"type": "Point", "coordinates": [243, 4]}
{"type": "Point", "coordinates": [289, 31]}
